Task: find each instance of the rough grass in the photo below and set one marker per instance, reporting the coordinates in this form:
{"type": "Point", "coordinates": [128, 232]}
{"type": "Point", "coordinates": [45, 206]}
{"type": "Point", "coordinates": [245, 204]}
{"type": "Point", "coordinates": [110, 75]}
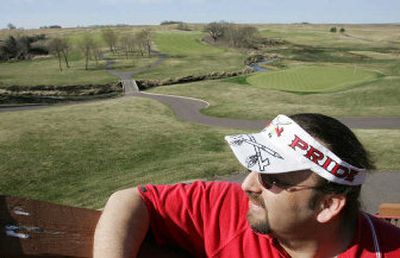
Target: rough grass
{"type": "Point", "coordinates": [355, 36]}
{"type": "Point", "coordinates": [312, 78]}
{"type": "Point", "coordinates": [79, 154]}
{"type": "Point", "coordinates": [46, 72]}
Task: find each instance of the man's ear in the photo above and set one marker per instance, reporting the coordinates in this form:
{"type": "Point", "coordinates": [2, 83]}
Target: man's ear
{"type": "Point", "coordinates": [330, 206]}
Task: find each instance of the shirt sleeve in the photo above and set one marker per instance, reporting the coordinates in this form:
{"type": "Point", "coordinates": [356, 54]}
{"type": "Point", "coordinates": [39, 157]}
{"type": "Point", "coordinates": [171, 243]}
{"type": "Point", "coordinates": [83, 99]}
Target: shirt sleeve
{"type": "Point", "coordinates": [199, 217]}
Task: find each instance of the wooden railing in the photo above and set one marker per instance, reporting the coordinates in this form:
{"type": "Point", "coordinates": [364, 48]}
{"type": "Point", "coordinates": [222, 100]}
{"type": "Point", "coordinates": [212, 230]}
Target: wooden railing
{"type": "Point", "coordinates": [390, 212]}
{"type": "Point", "coordinates": [39, 229]}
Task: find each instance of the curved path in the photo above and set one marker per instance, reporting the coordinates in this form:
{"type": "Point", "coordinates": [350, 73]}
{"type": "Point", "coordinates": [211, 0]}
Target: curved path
{"type": "Point", "coordinates": [188, 109]}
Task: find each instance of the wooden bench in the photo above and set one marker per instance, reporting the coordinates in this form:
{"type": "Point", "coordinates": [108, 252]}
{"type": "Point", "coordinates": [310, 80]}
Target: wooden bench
{"type": "Point", "coordinates": [390, 212]}
{"type": "Point", "coordinates": [40, 229]}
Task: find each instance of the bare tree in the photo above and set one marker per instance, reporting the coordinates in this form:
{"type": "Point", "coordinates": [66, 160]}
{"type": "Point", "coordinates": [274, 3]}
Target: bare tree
{"type": "Point", "coordinates": [111, 38]}
{"type": "Point", "coordinates": [216, 30]}
{"type": "Point", "coordinates": [128, 44]}
{"type": "Point", "coordinates": [87, 46]}
{"type": "Point", "coordinates": [242, 36]}
{"type": "Point", "coordinates": [144, 38]}
{"type": "Point", "coordinates": [11, 26]}
{"type": "Point", "coordinates": [60, 48]}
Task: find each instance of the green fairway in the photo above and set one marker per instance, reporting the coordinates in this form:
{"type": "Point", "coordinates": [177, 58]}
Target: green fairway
{"type": "Point", "coordinates": [184, 44]}
{"type": "Point", "coordinates": [312, 78]}
{"type": "Point", "coordinates": [187, 55]}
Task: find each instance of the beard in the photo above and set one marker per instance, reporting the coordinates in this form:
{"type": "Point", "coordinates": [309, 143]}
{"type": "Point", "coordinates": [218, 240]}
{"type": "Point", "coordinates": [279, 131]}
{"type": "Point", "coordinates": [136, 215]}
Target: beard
{"type": "Point", "coordinates": [259, 223]}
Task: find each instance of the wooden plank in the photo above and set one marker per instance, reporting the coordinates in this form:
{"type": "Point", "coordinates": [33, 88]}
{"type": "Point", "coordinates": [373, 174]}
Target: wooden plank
{"type": "Point", "coordinates": [36, 228]}
{"type": "Point", "coordinates": [40, 229]}
{"type": "Point", "coordinates": [389, 209]}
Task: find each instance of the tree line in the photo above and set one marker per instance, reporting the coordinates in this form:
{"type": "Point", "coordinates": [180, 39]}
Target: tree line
{"type": "Point", "coordinates": [126, 44]}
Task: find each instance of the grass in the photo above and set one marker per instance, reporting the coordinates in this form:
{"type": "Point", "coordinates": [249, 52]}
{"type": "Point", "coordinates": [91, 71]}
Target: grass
{"type": "Point", "coordinates": [355, 36]}
{"type": "Point", "coordinates": [187, 55]}
{"type": "Point", "coordinates": [182, 43]}
{"type": "Point", "coordinates": [312, 78]}
{"type": "Point", "coordinates": [237, 100]}
{"type": "Point", "coordinates": [46, 72]}
{"type": "Point", "coordinates": [78, 155]}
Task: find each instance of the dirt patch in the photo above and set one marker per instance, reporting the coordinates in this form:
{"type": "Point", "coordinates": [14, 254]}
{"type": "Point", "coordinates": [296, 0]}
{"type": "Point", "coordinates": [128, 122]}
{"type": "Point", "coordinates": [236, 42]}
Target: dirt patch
{"type": "Point", "coordinates": [51, 93]}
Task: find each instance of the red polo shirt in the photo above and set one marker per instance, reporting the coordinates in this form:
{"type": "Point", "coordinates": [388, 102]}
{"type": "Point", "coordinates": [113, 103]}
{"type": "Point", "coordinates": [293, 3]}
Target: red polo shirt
{"type": "Point", "coordinates": [208, 219]}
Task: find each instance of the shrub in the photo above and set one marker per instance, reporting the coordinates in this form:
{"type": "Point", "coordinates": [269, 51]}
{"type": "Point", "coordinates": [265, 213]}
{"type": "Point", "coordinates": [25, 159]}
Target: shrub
{"type": "Point", "coordinates": [333, 29]}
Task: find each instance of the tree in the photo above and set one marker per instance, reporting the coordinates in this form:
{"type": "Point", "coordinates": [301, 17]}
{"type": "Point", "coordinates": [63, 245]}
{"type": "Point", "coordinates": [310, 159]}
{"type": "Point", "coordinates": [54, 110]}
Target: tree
{"type": "Point", "coordinates": [144, 39]}
{"type": "Point", "coordinates": [20, 47]}
{"type": "Point", "coordinates": [128, 44]}
{"type": "Point", "coordinates": [333, 29]}
{"type": "Point", "coordinates": [342, 30]}
{"type": "Point", "coordinates": [111, 38]}
{"type": "Point", "coordinates": [216, 30]}
{"type": "Point", "coordinates": [242, 36]}
{"type": "Point", "coordinates": [87, 46]}
{"type": "Point", "coordinates": [60, 48]}
{"type": "Point", "coordinates": [11, 26]}
{"type": "Point", "coordinates": [182, 26]}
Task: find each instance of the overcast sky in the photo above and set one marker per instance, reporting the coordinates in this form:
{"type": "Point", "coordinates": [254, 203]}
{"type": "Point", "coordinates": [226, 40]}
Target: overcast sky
{"type": "Point", "coordinates": [71, 13]}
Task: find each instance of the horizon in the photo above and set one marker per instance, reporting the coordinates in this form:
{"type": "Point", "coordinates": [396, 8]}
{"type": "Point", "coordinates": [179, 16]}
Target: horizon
{"type": "Point", "coordinates": [32, 14]}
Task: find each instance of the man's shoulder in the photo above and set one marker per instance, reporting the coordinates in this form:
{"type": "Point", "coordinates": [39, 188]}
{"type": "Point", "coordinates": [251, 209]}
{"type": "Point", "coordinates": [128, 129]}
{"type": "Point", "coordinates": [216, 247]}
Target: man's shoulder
{"type": "Point", "coordinates": [388, 236]}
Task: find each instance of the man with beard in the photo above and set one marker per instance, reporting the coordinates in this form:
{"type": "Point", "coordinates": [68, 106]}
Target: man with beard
{"type": "Point", "coordinates": [300, 199]}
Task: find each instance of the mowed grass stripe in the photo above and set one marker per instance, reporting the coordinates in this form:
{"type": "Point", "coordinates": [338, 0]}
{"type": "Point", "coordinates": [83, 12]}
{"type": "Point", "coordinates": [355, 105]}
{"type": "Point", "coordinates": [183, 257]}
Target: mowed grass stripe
{"type": "Point", "coordinates": [184, 44]}
{"type": "Point", "coordinates": [312, 78]}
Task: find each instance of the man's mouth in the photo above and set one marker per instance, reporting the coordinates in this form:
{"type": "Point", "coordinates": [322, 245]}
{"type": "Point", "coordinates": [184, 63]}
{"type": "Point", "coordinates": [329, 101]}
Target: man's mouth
{"type": "Point", "coordinates": [255, 205]}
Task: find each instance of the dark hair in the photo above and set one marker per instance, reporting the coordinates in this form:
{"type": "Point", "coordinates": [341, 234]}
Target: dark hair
{"type": "Point", "coordinates": [340, 140]}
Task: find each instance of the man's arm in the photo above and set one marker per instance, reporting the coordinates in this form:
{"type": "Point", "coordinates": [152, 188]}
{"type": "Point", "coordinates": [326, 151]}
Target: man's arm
{"type": "Point", "coordinates": [122, 226]}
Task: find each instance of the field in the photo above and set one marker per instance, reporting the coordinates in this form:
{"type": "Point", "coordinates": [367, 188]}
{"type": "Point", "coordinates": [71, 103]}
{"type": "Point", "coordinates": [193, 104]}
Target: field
{"type": "Point", "coordinates": [79, 154]}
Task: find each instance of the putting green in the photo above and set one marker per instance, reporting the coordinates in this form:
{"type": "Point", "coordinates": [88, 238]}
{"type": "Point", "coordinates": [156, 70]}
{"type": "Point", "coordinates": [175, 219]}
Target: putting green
{"type": "Point", "coordinates": [312, 78]}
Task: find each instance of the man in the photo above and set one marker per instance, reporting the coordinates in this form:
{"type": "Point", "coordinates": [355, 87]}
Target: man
{"type": "Point", "coordinates": [300, 199]}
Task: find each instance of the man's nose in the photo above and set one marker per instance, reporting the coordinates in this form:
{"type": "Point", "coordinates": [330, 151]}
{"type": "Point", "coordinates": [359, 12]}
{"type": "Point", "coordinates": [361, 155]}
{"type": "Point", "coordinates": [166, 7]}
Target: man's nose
{"type": "Point", "coordinates": [251, 184]}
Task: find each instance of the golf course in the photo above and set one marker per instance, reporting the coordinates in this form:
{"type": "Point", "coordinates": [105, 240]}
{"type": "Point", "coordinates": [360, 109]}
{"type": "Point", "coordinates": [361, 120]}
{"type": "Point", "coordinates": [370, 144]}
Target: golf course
{"type": "Point", "coordinates": [77, 153]}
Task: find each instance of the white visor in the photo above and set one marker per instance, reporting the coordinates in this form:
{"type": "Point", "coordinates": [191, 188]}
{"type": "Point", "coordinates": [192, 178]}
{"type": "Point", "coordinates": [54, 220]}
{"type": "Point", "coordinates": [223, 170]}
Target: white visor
{"type": "Point", "coordinates": [283, 146]}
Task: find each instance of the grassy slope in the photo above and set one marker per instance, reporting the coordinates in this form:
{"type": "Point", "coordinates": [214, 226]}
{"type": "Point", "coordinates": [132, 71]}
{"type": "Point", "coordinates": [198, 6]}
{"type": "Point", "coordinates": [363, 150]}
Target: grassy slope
{"type": "Point", "coordinates": [187, 55]}
{"type": "Point", "coordinates": [80, 154]}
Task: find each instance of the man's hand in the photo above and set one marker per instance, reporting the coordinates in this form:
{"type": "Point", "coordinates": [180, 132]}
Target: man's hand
{"type": "Point", "coordinates": [122, 226]}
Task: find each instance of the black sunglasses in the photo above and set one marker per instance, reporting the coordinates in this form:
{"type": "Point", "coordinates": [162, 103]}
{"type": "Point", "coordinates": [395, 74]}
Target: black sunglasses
{"type": "Point", "coordinates": [268, 181]}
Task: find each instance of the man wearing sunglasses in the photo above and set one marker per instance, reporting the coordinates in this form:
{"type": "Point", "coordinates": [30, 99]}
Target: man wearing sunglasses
{"type": "Point", "coordinates": [300, 199]}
